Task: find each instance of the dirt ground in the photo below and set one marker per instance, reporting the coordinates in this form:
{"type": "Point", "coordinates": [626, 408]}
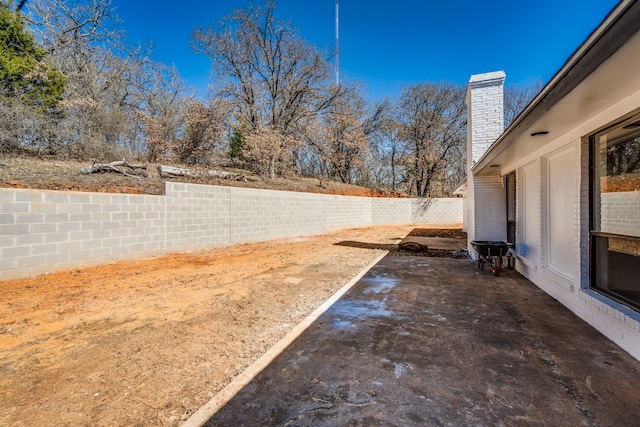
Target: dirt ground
{"type": "Point", "coordinates": [58, 174]}
{"type": "Point", "coordinates": [148, 342]}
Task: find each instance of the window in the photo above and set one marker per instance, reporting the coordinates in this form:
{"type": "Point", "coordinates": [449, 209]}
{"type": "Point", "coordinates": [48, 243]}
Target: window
{"type": "Point", "coordinates": [615, 212]}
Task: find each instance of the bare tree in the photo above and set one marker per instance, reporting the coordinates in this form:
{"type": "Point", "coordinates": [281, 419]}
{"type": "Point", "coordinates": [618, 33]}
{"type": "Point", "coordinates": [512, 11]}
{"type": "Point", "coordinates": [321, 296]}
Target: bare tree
{"type": "Point", "coordinates": [432, 119]}
{"type": "Point", "coordinates": [73, 25]}
{"type": "Point", "coordinates": [269, 151]}
{"type": "Point", "coordinates": [158, 95]}
{"type": "Point", "coordinates": [388, 147]}
{"type": "Point", "coordinates": [82, 42]}
{"type": "Point", "coordinates": [117, 100]}
{"type": "Point", "coordinates": [516, 98]}
{"type": "Point", "coordinates": [204, 129]}
{"type": "Point", "coordinates": [274, 78]}
{"type": "Point", "coordinates": [30, 87]}
{"type": "Point", "coordinates": [347, 145]}
{"type": "Point", "coordinates": [338, 139]}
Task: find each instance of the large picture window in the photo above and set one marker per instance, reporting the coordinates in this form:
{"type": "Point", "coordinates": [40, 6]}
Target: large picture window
{"type": "Point", "coordinates": [615, 212]}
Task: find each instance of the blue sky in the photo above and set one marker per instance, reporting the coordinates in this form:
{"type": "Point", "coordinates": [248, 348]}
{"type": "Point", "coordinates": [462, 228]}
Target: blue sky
{"type": "Point", "coordinates": [385, 44]}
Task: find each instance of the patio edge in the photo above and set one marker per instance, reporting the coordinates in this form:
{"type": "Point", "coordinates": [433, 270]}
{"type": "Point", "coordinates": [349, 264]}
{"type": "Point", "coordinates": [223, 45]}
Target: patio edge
{"type": "Point", "coordinates": [202, 415]}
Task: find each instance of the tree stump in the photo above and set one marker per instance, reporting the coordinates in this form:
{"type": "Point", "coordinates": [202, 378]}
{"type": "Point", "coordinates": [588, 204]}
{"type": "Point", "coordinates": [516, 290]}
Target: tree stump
{"type": "Point", "coordinates": [414, 244]}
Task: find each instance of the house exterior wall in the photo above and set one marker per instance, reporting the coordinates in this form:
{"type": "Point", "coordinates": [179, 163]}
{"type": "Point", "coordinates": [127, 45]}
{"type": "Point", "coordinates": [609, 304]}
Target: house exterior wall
{"type": "Point", "coordinates": [548, 220]}
{"type": "Point", "coordinates": [42, 231]}
{"type": "Point", "coordinates": [569, 283]}
{"type": "Point", "coordinates": [553, 232]}
{"type": "Point", "coordinates": [490, 197]}
{"type": "Point", "coordinates": [553, 214]}
{"type": "Point", "coordinates": [465, 215]}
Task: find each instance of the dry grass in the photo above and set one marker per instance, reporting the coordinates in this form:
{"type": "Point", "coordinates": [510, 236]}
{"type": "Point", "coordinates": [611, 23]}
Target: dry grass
{"type": "Point", "coordinates": [56, 174]}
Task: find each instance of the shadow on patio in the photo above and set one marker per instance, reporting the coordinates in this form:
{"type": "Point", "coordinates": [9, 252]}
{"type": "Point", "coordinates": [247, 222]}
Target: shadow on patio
{"type": "Point", "coordinates": [435, 341]}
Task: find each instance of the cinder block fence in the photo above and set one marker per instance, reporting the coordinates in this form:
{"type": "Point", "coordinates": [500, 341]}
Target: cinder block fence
{"type": "Point", "coordinates": [43, 231]}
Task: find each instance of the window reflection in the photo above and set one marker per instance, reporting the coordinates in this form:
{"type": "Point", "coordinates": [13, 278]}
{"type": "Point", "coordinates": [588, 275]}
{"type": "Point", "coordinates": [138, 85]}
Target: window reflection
{"type": "Point", "coordinates": [615, 212]}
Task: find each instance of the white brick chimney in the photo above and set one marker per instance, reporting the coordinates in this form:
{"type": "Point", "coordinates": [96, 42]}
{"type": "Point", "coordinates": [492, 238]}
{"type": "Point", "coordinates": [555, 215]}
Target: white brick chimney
{"type": "Point", "coordinates": [486, 198]}
{"type": "Point", "coordinates": [485, 113]}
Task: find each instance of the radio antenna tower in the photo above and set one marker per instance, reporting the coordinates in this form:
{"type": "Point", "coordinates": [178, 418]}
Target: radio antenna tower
{"type": "Point", "coordinates": [337, 48]}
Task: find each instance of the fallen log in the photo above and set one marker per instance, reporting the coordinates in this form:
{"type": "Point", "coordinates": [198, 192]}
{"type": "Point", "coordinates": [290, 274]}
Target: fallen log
{"type": "Point", "coordinates": [224, 174]}
{"type": "Point", "coordinates": [171, 171]}
{"type": "Point", "coordinates": [121, 167]}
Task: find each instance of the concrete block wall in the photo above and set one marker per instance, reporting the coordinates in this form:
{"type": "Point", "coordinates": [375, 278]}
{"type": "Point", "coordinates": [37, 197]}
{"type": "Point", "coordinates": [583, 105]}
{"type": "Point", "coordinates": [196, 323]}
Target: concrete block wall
{"type": "Point", "coordinates": [40, 229]}
{"type": "Point", "coordinates": [418, 211]}
{"type": "Point", "coordinates": [392, 211]}
{"type": "Point", "coordinates": [257, 215]}
{"type": "Point", "coordinates": [344, 211]}
{"type": "Point", "coordinates": [43, 231]}
{"type": "Point", "coordinates": [430, 211]}
{"type": "Point", "coordinates": [196, 217]}
{"type": "Point", "coordinates": [620, 213]}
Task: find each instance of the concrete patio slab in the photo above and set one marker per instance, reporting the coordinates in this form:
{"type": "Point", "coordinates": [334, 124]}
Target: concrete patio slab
{"type": "Point", "coordinates": [435, 341]}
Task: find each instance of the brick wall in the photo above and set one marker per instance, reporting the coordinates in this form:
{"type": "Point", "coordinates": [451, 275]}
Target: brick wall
{"type": "Point", "coordinates": [42, 231]}
{"type": "Point", "coordinates": [485, 113]}
{"type": "Point", "coordinates": [486, 198]}
{"type": "Point", "coordinates": [490, 208]}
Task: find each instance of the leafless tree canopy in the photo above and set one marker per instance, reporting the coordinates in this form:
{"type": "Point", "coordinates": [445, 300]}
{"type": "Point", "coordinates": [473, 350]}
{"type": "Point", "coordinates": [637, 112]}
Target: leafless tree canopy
{"type": "Point", "coordinates": [516, 98]}
{"type": "Point", "coordinates": [112, 90]}
{"type": "Point", "coordinates": [432, 118]}
{"type": "Point", "coordinates": [274, 77]}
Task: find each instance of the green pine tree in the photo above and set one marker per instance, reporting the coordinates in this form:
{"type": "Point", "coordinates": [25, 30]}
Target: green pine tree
{"type": "Point", "coordinates": [24, 74]}
{"type": "Point", "coordinates": [236, 143]}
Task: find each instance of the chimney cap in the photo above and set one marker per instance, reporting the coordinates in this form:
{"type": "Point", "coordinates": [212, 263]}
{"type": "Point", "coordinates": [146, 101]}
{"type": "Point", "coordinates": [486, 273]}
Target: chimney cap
{"type": "Point", "coordinates": [495, 77]}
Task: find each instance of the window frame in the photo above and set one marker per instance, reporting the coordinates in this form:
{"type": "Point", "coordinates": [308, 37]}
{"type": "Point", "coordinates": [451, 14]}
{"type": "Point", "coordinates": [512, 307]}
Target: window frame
{"type": "Point", "coordinates": [595, 213]}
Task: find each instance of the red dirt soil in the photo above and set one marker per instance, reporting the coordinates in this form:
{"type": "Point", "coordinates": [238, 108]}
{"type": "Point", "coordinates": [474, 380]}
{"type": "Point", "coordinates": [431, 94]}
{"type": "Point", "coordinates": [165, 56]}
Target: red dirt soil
{"type": "Point", "coordinates": [148, 342]}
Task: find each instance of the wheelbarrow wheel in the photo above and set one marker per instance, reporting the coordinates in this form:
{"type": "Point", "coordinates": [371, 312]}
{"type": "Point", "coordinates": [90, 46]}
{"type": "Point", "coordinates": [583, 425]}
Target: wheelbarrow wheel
{"type": "Point", "coordinates": [495, 266]}
{"type": "Point", "coordinates": [481, 263]}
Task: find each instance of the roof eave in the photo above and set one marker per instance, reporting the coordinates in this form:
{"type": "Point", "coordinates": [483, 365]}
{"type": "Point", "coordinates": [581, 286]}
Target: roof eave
{"type": "Point", "coordinates": [614, 31]}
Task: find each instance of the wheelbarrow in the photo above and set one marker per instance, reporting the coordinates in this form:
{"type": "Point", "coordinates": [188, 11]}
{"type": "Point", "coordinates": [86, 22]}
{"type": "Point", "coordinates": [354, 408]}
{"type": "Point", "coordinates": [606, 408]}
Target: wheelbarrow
{"type": "Point", "coordinates": [491, 252]}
